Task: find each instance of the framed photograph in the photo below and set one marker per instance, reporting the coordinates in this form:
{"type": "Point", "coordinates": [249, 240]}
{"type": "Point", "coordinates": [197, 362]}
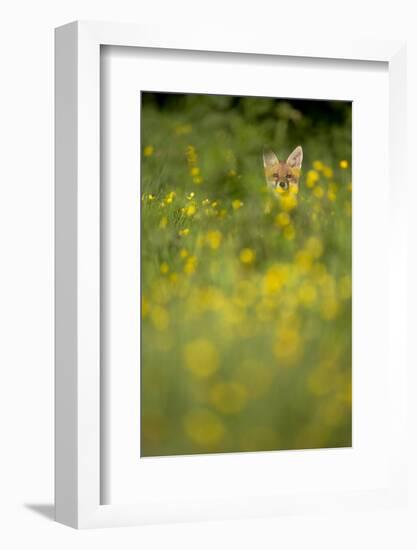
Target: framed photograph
{"type": "Point", "coordinates": [230, 291]}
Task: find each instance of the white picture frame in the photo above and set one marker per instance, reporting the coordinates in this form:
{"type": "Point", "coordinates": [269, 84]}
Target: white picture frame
{"type": "Point", "coordinates": [78, 405]}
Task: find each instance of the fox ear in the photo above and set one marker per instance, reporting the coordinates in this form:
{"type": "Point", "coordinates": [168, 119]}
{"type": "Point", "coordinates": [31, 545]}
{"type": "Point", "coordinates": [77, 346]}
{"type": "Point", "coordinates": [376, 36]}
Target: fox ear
{"type": "Point", "coordinates": [296, 158]}
{"type": "Point", "coordinates": [270, 158]}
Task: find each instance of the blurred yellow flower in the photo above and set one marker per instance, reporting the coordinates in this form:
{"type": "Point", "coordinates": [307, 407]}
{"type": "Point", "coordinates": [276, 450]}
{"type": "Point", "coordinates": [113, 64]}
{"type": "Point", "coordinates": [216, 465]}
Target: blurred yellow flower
{"type": "Point", "coordinates": [228, 397]}
{"type": "Point", "coordinates": [197, 180]}
{"type": "Point", "coordinates": [318, 165]}
{"type": "Point", "coordinates": [183, 253]}
{"type": "Point", "coordinates": [312, 178]}
{"type": "Point", "coordinates": [204, 427]}
{"type": "Point", "coordinates": [174, 277]}
{"type": "Point", "coordinates": [236, 204]}
{"type": "Point", "coordinates": [314, 246]}
{"type": "Point", "coordinates": [247, 256]}
{"type": "Point", "coordinates": [195, 171]}
{"type": "Point", "coordinates": [190, 210]}
{"type": "Point", "coordinates": [183, 232]}
{"type": "Point", "coordinates": [201, 358]}
{"type": "Point", "coordinates": [164, 268]}
{"type": "Point", "coordinates": [170, 197]}
{"type": "Point", "coordinates": [343, 164]}
{"type": "Point", "coordinates": [327, 172]}
{"type": "Point", "coordinates": [148, 150]}
{"type": "Point", "coordinates": [275, 278]}
{"type": "Point", "coordinates": [282, 219]}
{"type": "Point", "coordinates": [190, 265]}
{"type": "Point", "coordinates": [331, 195]}
{"type": "Point", "coordinates": [151, 197]}
{"type": "Point", "coordinates": [214, 239]}
{"type": "Point", "coordinates": [288, 202]}
{"type": "Point", "coordinates": [163, 223]}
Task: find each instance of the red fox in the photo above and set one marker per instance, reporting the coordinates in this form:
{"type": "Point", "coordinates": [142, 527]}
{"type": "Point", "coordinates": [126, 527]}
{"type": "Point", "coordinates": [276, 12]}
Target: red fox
{"type": "Point", "coordinates": [283, 176]}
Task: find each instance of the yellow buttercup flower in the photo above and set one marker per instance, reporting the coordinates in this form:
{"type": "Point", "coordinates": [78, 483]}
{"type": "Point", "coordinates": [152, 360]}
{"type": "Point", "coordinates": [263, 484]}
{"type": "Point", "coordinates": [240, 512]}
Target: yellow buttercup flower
{"type": "Point", "coordinates": [163, 223]}
{"type": "Point", "coordinates": [247, 256]}
{"type": "Point", "coordinates": [190, 210]}
{"type": "Point", "coordinates": [314, 246]}
{"type": "Point", "coordinates": [276, 276]}
{"type": "Point", "coordinates": [343, 164]}
{"type": "Point", "coordinates": [214, 239]}
{"type": "Point", "coordinates": [190, 265]}
{"type": "Point", "coordinates": [312, 178]}
{"type": "Point", "coordinates": [170, 197]}
{"type": "Point", "coordinates": [282, 219]}
{"type": "Point", "coordinates": [288, 202]}
{"type": "Point", "coordinates": [318, 165]}
{"type": "Point", "coordinates": [148, 151]}
{"type": "Point", "coordinates": [327, 172]}
{"type": "Point", "coordinates": [236, 204]}
{"type": "Point", "coordinates": [164, 268]}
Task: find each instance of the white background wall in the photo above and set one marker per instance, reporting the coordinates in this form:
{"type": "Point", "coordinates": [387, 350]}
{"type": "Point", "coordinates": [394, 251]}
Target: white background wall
{"type": "Point", "coordinates": [26, 269]}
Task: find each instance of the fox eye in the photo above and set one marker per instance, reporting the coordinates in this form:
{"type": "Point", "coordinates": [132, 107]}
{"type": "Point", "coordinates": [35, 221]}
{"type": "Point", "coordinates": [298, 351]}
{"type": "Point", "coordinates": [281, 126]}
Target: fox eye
{"type": "Point", "coordinates": [288, 176]}
{"type": "Point", "coordinates": [283, 184]}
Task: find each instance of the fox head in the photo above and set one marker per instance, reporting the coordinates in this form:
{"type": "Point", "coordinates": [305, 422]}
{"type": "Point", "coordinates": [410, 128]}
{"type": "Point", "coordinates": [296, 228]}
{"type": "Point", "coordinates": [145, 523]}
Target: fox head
{"type": "Point", "coordinates": [283, 176]}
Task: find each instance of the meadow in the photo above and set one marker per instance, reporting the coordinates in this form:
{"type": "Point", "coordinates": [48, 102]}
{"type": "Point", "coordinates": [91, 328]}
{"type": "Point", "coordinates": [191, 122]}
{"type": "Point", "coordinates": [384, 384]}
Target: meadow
{"type": "Point", "coordinates": [246, 297]}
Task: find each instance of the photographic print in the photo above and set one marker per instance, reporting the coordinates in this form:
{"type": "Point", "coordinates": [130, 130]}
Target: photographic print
{"type": "Point", "coordinates": [246, 249]}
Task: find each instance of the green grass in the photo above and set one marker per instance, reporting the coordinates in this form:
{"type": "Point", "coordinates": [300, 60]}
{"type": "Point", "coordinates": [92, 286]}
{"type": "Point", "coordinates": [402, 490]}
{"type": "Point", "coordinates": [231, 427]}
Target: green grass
{"type": "Point", "coordinates": [246, 298]}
